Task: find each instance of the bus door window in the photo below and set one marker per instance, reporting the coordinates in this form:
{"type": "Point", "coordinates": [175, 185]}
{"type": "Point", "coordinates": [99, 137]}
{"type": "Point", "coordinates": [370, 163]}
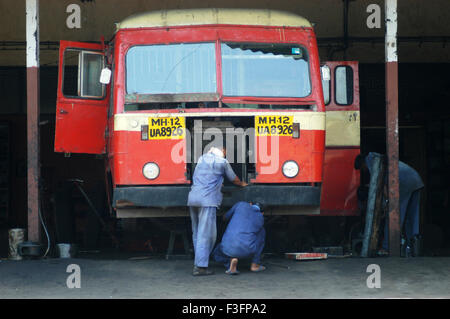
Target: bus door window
{"type": "Point", "coordinates": [344, 85]}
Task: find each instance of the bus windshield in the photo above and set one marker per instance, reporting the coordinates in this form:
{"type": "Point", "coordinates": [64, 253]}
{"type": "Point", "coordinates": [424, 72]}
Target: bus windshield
{"type": "Point", "coordinates": [265, 70]}
{"type": "Point", "coordinates": [171, 69]}
{"type": "Point", "coordinates": [163, 74]}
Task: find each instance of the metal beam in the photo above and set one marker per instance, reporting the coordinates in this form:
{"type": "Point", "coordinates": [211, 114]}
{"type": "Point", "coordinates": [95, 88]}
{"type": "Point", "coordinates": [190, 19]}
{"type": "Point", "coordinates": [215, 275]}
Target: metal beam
{"type": "Point", "coordinates": [337, 42]}
{"type": "Point", "coordinates": [392, 126]}
{"type": "Point", "coordinates": [32, 36]}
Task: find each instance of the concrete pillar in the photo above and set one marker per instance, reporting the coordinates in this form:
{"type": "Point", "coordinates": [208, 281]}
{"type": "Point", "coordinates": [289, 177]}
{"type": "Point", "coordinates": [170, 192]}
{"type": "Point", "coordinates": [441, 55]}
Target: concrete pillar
{"type": "Point", "coordinates": [32, 31]}
{"type": "Point", "coordinates": [392, 125]}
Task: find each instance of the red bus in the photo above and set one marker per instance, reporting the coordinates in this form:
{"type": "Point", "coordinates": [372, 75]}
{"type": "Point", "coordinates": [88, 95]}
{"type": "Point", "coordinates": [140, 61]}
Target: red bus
{"type": "Point", "coordinates": [152, 98]}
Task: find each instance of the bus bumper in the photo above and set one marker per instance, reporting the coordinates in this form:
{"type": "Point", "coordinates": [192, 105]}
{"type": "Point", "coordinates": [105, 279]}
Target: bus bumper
{"type": "Point", "coordinates": [176, 196]}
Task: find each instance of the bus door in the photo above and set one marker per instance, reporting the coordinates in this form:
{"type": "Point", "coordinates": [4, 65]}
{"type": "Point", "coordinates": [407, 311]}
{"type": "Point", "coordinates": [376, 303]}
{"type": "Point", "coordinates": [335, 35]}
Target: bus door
{"type": "Point", "coordinates": [340, 83]}
{"type": "Point", "coordinates": [82, 100]}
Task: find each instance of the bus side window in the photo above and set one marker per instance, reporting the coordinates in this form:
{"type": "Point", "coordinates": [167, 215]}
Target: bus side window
{"type": "Point", "coordinates": [343, 85]}
{"type": "Point", "coordinates": [82, 71]}
{"type": "Point", "coordinates": [326, 80]}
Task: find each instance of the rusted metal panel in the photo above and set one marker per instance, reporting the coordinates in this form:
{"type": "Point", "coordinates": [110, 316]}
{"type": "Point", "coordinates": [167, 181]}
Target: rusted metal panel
{"type": "Point", "coordinates": [392, 126]}
{"type": "Point", "coordinates": [33, 175]}
{"type": "Point", "coordinates": [374, 207]}
{"type": "Point", "coordinates": [393, 157]}
{"type": "Point", "coordinates": [378, 209]}
{"type": "Point", "coordinates": [33, 152]}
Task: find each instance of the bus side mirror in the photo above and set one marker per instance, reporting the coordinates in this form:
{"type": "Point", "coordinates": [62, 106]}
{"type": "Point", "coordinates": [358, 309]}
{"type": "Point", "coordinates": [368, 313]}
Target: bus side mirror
{"type": "Point", "coordinates": [326, 78]}
{"type": "Point", "coordinates": [105, 76]}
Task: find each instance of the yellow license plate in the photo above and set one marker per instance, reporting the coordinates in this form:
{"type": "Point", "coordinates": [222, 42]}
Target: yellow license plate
{"type": "Point", "coordinates": [273, 125]}
{"type": "Point", "coordinates": [162, 128]}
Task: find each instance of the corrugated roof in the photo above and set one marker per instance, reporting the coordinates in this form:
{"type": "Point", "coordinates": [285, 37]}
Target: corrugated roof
{"type": "Point", "coordinates": [166, 18]}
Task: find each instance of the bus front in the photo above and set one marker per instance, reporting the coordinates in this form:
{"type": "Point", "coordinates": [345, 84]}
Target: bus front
{"type": "Point", "coordinates": [247, 80]}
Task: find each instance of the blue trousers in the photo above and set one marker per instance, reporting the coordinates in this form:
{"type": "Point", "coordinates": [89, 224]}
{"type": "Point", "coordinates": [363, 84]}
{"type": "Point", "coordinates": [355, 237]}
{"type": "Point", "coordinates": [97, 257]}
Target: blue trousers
{"type": "Point", "coordinates": [254, 252]}
{"type": "Point", "coordinates": [204, 233]}
{"type": "Point", "coordinates": [409, 217]}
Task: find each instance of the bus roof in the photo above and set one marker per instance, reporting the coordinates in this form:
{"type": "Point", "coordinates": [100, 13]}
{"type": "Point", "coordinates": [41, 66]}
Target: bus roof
{"type": "Point", "coordinates": [167, 18]}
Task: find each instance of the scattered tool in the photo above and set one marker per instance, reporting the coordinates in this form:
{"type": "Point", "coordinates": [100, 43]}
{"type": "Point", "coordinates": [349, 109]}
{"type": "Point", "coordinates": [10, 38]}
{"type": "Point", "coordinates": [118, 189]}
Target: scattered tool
{"type": "Point", "coordinates": [140, 258]}
{"type": "Point", "coordinates": [306, 256]}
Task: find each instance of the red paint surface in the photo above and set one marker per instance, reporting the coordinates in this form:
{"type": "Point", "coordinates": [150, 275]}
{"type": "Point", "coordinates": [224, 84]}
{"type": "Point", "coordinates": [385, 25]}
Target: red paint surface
{"type": "Point", "coordinates": [135, 153]}
{"type": "Point", "coordinates": [340, 182]}
{"type": "Point", "coordinates": [307, 151]}
{"type": "Point", "coordinates": [80, 122]}
{"type": "Point", "coordinates": [132, 154]}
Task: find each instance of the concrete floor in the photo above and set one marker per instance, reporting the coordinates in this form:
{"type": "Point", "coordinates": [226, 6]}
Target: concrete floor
{"type": "Point", "coordinates": [105, 277]}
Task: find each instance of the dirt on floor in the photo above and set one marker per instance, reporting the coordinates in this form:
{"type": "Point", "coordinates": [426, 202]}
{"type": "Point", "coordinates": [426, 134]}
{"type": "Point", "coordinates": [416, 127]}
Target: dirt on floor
{"type": "Point", "coordinates": [145, 276]}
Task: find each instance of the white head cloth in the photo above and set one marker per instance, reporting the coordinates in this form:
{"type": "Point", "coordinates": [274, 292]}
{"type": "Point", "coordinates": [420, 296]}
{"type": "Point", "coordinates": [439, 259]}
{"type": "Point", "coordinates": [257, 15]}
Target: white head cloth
{"type": "Point", "coordinates": [216, 152]}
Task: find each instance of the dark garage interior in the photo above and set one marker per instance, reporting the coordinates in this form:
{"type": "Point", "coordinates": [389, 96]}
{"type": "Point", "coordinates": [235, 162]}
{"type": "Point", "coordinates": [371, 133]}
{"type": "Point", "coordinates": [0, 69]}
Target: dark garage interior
{"type": "Point", "coordinates": [424, 123]}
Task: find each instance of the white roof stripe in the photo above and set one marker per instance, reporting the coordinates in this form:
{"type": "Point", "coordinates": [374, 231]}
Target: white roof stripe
{"type": "Point", "coordinates": [165, 18]}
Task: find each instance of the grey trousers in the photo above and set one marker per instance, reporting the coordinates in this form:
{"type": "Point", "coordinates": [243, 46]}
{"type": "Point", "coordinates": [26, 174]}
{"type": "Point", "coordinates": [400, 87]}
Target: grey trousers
{"type": "Point", "coordinates": [204, 233]}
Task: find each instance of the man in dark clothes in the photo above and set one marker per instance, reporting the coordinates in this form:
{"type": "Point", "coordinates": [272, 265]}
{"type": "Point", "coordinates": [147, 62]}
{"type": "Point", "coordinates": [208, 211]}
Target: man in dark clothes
{"type": "Point", "coordinates": [243, 238]}
{"type": "Point", "coordinates": [410, 185]}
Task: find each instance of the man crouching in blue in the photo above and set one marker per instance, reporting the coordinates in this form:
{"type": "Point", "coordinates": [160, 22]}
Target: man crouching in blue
{"type": "Point", "coordinates": [243, 238]}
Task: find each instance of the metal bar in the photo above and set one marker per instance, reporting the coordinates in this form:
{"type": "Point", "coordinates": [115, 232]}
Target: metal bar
{"type": "Point", "coordinates": [392, 126]}
{"type": "Point", "coordinates": [33, 172]}
{"type": "Point", "coordinates": [321, 42]}
{"type": "Point", "coordinates": [327, 41]}
{"type": "Point", "coordinates": [345, 22]}
{"type": "Point", "coordinates": [97, 214]}
{"type": "Point", "coordinates": [171, 98]}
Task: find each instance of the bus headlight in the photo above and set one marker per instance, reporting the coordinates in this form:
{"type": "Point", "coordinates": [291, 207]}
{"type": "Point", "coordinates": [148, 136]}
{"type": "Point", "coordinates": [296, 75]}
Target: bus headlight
{"type": "Point", "coordinates": [290, 169]}
{"type": "Point", "coordinates": [150, 170]}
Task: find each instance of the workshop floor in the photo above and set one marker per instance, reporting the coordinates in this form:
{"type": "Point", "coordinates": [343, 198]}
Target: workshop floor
{"type": "Point", "coordinates": [106, 276]}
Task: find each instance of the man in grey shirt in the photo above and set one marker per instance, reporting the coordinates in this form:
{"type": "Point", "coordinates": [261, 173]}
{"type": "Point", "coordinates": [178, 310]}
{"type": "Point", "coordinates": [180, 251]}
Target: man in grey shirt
{"type": "Point", "coordinates": [203, 200]}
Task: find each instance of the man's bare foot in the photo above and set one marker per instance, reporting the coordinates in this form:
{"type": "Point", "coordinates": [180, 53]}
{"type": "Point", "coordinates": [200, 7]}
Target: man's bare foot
{"type": "Point", "coordinates": [233, 265]}
{"type": "Point", "coordinates": [256, 268]}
